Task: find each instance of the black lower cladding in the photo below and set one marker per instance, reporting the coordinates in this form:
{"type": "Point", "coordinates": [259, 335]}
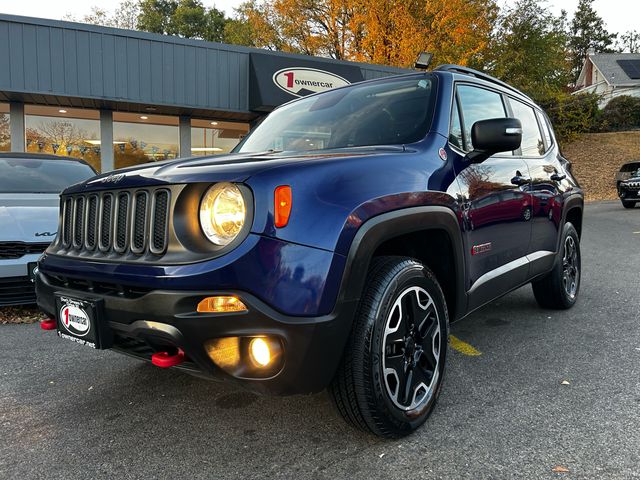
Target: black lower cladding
{"type": "Point", "coordinates": [160, 320]}
{"type": "Point", "coordinates": [16, 291]}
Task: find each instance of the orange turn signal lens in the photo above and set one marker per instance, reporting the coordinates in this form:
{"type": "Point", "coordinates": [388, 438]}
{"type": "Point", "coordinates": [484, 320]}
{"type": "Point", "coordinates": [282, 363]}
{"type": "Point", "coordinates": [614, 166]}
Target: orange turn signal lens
{"type": "Point", "coordinates": [282, 205]}
{"type": "Point", "coordinates": [221, 304]}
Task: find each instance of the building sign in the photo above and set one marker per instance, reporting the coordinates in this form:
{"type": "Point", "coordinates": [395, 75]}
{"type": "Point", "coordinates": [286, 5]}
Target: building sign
{"type": "Point", "coordinates": [305, 81]}
{"type": "Point", "coordinates": [276, 79]}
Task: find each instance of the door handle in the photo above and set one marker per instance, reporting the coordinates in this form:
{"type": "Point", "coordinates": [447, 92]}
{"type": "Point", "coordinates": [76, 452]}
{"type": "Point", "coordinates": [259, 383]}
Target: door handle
{"type": "Point", "coordinates": [557, 178]}
{"type": "Point", "coordinates": [519, 181]}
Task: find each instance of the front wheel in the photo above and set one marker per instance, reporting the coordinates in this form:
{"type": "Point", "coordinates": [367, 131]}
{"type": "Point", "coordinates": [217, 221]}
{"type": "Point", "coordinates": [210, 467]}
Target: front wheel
{"type": "Point", "coordinates": [628, 204]}
{"type": "Point", "coordinates": [392, 370]}
{"type": "Point", "coordinates": [559, 288]}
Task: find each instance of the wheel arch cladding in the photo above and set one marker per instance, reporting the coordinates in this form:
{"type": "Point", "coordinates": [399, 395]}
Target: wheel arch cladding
{"type": "Point", "coordinates": [574, 216]}
{"type": "Point", "coordinates": [430, 234]}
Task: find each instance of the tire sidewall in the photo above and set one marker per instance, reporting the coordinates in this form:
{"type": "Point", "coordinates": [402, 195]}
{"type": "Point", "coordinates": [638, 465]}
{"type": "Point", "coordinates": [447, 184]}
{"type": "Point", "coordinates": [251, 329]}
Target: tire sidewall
{"type": "Point", "coordinates": [569, 230]}
{"type": "Point", "coordinates": [413, 275]}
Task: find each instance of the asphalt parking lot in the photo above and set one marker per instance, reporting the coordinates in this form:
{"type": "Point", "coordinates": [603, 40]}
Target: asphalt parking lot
{"type": "Point", "coordinates": [69, 412]}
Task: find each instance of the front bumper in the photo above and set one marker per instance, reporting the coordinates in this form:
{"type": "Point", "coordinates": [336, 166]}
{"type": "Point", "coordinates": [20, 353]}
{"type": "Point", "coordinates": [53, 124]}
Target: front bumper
{"type": "Point", "coordinates": [629, 191]}
{"type": "Point", "coordinates": [143, 323]}
{"type": "Point", "coordinates": [16, 287]}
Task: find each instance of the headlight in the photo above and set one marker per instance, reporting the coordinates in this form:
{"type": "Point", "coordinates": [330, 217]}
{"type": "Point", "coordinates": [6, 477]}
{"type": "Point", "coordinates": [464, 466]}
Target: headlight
{"type": "Point", "coordinates": [222, 213]}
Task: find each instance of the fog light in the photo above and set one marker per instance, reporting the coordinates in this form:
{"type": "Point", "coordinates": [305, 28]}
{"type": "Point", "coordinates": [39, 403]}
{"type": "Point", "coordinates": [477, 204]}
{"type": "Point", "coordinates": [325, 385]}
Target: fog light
{"type": "Point", "coordinates": [222, 304]}
{"type": "Point", "coordinates": [260, 352]}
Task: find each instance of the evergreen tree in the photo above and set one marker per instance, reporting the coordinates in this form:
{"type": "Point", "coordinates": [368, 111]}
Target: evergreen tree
{"type": "Point", "coordinates": [587, 31]}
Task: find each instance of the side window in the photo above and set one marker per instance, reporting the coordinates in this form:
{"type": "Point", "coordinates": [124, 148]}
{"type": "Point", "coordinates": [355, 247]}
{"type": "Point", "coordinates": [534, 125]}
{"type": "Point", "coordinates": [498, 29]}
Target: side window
{"type": "Point", "coordinates": [478, 104]}
{"type": "Point", "coordinates": [455, 131]}
{"type": "Point", "coordinates": [532, 144]}
{"type": "Point", "coordinates": [545, 129]}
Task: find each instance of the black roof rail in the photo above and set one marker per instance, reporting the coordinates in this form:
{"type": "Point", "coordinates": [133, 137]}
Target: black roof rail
{"type": "Point", "coordinates": [480, 75]}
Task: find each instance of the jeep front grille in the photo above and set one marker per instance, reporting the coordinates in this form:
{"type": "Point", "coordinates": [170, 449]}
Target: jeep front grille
{"type": "Point", "coordinates": [116, 223]}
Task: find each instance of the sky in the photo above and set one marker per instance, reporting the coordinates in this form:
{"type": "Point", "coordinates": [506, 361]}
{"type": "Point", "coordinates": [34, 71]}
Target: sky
{"type": "Point", "coordinates": [619, 15]}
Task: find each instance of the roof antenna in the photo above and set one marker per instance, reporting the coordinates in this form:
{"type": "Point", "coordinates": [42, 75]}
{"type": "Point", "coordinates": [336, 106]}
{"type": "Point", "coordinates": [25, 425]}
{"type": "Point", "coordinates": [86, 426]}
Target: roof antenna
{"type": "Point", "coordinates": [423, 61]}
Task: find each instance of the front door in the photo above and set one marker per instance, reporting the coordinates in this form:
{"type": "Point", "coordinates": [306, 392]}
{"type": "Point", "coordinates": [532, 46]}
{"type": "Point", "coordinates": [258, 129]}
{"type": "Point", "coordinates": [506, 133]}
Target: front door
{"type": "Point", "coordinates": [496, 202]}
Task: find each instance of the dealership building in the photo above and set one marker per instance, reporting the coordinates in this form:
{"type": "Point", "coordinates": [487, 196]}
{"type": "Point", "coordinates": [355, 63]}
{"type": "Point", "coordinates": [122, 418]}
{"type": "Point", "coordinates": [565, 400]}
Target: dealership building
{"type": "Point", "coordinates": [120, 97]}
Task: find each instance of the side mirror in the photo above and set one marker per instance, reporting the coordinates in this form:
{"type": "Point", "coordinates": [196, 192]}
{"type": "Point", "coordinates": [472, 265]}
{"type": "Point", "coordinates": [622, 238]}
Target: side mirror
{"type": "Point", "coordinates": [494, 136]}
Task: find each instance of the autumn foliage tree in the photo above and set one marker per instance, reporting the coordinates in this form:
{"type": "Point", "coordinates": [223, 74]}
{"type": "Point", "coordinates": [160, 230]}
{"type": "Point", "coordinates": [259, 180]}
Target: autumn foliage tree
{"type": "Point", "coordinates": [391, 32]}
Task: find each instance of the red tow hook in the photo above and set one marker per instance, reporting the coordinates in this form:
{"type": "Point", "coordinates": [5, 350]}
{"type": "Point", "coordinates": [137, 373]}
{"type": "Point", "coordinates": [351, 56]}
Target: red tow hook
{"type": "Point", "coordinates": [48, 324]}
{"type": "Point", "coordinates": [166, 359]}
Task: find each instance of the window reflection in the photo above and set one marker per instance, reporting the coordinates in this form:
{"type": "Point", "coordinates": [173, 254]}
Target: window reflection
{"type": "Point", "coordinates": [215, 137]}
{"type": "Point", "coordinates": [144, 138]}
{"type": "Point", "coordinates": [64, 131]}
{"type": "Point", "coordinates": [5, 131]}
{"type": "Point", "coordinates": [531, 138]}
{"type": "Point", "coordinates": [478, 104]}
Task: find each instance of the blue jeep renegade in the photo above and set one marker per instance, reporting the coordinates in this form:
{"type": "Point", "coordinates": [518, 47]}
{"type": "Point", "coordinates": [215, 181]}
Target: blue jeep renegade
{"type": "Point", "coordinates": [331, 249]}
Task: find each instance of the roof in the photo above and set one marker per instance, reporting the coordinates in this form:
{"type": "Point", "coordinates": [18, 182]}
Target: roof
{"type": "Point", "coordinates": [607, 64]}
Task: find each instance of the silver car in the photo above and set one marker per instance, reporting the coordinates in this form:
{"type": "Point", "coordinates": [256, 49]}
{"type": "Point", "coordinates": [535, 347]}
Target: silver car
{"type": "Point", "coordinates": [30, 185]}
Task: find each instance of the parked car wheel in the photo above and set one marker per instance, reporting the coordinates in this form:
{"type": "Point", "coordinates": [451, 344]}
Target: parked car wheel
{"type": "Point", "coordinates": [392, 370]}
{"type": "Point", "coordinates": [559, 288]}
{"type": "Point", "coordinates": [628, 204]}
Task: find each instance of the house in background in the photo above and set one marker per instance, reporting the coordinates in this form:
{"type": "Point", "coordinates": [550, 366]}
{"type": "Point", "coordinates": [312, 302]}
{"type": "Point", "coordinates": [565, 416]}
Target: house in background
{"type": "Point", "coordinates": [610, 75]}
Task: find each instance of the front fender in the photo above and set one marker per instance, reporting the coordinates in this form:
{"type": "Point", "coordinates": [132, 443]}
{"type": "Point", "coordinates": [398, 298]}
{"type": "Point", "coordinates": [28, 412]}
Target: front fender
{"type": "Point", "coordinates": [386, 226]}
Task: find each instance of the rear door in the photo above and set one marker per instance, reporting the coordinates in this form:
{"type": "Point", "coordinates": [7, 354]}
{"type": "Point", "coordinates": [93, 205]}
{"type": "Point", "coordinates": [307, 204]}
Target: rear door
{"type": "Point", "coordinates": [496, 201]}
{"type": "Point", "coordinates": [538, 150]}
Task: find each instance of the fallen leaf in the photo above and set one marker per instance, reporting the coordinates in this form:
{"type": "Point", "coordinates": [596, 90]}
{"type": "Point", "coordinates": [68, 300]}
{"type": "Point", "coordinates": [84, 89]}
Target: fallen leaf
{"type": "Point", "coordinates": [560, 469]}
{"type": "Point", "coordinates": [565, 382]}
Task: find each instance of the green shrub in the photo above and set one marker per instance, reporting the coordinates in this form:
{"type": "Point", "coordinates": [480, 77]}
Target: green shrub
{"type": "Point", "coordinates": [572, 115]}
{"type": "Point", "coordinates": [621, 113]}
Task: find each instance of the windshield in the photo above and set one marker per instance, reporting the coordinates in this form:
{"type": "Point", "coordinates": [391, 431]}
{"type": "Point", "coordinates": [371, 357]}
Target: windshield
{"type": "Point", "coordinates": [392, 112]}
{"type": "Point", "coordinates": [27, 175]}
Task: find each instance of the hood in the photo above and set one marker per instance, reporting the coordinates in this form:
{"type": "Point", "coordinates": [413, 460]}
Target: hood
{"type": "Point", "coordinates": [220, 168]}
{"type": "Point", "coordinates": [632, 179]}
{"type": "Point", "coordinates": [28, 217]}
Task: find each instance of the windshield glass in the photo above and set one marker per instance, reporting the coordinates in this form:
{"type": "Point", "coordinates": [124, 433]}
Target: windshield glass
{"type": "Point", "coordinates": [26, 175]}
{"type": "Point", "coordinates": [392, 112]}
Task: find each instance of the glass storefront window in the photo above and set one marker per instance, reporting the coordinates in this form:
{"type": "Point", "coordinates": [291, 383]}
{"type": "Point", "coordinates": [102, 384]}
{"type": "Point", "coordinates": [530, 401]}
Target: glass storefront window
{"type": "Point", "coordinates": [140, 138]}
{"type": "Point", "coordinates": [71, 132]}
{"type": "Point", "coordinates": [5, 131]}
{"type": "Point", "coordinates": [209, 137]}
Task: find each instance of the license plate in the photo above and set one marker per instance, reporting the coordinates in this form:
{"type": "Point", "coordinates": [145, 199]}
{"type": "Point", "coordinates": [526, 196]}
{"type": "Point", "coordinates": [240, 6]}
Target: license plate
{"type": "Point", "coordinates": [78, 321]}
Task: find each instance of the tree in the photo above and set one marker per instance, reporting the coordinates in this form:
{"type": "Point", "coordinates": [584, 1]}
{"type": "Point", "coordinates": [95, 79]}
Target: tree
{"type": "Point", "coordinates": [629, 42]}
{"type": "Point", "coordinates": [528, 50]}
{"type": "Point", "coordinates": [257, 24]}
{"type": "Point", "coordinates": [155, 15]}
{"type": "Point", "coordinates": [125, 16]}
{"type": "Point", "coordinates": [392, 32]}
{"type": "Point", "coordinates": [185, 18]}
{"type": "Point", "coordinates": [587, 31]}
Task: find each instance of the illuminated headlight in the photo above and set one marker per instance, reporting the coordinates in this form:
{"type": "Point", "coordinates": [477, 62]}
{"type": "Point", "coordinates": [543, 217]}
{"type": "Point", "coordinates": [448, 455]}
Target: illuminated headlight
{"type": "Point", "coordinates": [222, 213]}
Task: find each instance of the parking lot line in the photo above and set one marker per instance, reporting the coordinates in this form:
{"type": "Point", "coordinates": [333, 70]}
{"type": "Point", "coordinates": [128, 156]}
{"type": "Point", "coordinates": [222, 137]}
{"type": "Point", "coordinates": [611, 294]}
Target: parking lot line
{"type": "Point", "coordinates": [463, 347]}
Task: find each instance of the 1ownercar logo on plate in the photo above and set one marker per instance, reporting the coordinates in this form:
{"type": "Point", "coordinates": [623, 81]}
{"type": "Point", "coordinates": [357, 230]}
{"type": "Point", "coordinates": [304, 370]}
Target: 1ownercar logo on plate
{"type": "Point", "coordinates": [305, 81]}
{"type": "Point", "coordinates": [75, 320]}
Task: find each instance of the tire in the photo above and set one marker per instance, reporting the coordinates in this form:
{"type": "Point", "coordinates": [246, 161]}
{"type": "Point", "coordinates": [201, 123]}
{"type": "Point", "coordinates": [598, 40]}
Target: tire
{"type": "Point", "coordinates": [386, 335]}
{"type": "Point", "coordinates": [559, 288]}
{"type": "Point", "coordinates": [628, 203]}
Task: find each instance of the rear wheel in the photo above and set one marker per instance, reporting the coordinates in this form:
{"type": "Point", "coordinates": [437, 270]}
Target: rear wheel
{"type": "Point", "coordinates": [628, 204]}
{"type": "Point", "coordinates": [559, 288]}
{"type": "Point", "coordinates": [393, 366]}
